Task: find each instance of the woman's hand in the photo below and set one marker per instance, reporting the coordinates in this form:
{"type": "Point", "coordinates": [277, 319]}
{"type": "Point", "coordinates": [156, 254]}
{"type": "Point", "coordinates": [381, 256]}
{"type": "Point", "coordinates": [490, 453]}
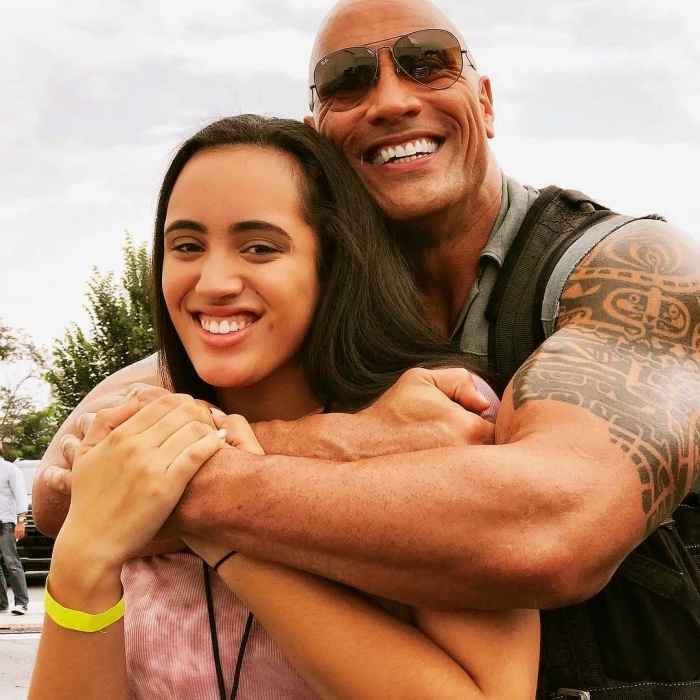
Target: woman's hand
{"type": "Point", "coordinates": [240, 435]}
{"type": "Point", "coordinates": [131, 470]}
{"type": "Point", "coordinates": [238, 431]}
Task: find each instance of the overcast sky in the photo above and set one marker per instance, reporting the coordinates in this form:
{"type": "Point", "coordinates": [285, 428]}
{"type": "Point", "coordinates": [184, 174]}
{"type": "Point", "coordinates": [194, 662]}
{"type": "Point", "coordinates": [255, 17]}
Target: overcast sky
{"type": "Point", "coordinates": [599, 95]}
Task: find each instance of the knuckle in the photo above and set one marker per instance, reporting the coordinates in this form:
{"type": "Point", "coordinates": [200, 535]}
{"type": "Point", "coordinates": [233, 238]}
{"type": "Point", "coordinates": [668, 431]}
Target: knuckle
{"type": "Point", "coordinates": [198, 430]}
{"type": "Point", "coordinates": [85, 421]}
{"type": "Point", "coordinates": [174, 401]}
{"type": "Point", "coordinates": [66, 443]}
{"type": "Point", "coordinates": [100, 419]}
{"type": "Point", "coordinates": [414, 373]}
{"type": "Point", "coordinates": [238, 421]}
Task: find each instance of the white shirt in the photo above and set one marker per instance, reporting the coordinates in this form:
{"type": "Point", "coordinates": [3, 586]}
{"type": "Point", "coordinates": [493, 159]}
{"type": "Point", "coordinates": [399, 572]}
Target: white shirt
{"type": "Point", "coordinates": [13, 492]}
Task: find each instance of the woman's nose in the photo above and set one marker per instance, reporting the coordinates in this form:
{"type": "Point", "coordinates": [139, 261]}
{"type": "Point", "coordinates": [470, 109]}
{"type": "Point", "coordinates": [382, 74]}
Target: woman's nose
{"type": "Point", "coordinates": [220, 276]}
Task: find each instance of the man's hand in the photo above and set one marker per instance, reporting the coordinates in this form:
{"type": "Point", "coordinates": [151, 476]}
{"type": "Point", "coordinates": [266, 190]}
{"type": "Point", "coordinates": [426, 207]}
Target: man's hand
{"type": "Point", "coordinates": [426, 409]}
{"type": "Point", "coordinates": [19, 531]}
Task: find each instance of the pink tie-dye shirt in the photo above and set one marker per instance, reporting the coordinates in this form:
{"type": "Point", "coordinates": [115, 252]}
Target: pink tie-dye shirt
{"type": "Point", "coordinates": [168, 641]}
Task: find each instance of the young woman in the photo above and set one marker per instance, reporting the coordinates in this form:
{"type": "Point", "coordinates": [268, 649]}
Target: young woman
{"type": "Point", "coordinates": [278, 294]}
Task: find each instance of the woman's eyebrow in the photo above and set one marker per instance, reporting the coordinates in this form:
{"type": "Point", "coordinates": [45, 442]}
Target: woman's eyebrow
{"type": "Point", "coordinates": [257, 225]}
{"type": "Point", "coordinates": [238, 227]}
{"type": "Point", "coordinates": [185, 224]}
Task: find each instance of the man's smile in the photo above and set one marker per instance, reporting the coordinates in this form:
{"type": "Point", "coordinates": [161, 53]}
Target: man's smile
{"type": "Point", "coordinates": [403, 152]}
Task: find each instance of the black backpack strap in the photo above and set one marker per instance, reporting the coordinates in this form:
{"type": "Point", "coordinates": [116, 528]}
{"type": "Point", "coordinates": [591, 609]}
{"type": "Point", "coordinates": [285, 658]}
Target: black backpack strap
{"type": "Point", "coordinates": [555, 220]}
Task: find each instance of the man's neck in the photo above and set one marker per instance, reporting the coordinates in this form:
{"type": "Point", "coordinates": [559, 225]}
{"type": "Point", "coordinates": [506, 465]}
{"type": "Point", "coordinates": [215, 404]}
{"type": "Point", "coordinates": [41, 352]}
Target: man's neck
{"type": "Point", "coordinates": [444, 251]}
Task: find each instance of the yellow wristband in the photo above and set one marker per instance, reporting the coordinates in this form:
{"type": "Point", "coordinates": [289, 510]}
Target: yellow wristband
{"type": "Point", "coordinates": [81, 621]}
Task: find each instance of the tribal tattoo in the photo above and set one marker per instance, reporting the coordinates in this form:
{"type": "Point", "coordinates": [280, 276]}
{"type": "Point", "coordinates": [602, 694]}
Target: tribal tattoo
{"type": "Point", "coordinates": [627, 349]}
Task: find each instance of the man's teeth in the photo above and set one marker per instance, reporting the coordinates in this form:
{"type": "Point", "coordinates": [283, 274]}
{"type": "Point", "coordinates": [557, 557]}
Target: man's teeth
{"type": "Point", "coordinates": [403, 154]}
{"type": "Point", "coordinates": [223, 327]}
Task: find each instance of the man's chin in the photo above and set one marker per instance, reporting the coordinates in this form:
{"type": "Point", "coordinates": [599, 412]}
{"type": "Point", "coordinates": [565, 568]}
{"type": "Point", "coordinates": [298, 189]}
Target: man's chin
{"type": "Point", "coordinates": [409, 211]}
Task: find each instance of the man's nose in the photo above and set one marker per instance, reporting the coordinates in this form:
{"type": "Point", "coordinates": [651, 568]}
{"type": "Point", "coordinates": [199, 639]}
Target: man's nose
{"type": "Point", "coordinates": [394, 95]}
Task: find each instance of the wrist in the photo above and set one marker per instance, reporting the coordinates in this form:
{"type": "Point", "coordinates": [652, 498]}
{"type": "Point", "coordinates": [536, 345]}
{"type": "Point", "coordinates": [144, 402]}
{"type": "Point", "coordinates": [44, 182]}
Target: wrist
{"type": "Point", "coordinates": [82, 580]}
{"type": "Point", "coordinates": [330, 436]}
{"type": "Point", "coordinates": [80, 620]}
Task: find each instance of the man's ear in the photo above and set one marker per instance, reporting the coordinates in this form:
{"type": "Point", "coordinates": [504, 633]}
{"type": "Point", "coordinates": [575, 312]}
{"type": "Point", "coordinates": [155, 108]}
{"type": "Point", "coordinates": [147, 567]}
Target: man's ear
{"type": "Point", "coordinates": [486, 102]}
{"type": "Point", "coordinates": [309, 121]}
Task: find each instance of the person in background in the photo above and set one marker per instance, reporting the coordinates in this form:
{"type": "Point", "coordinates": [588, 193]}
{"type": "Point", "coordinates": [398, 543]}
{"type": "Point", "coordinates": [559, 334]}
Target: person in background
{"type": "Point", "coordinates": [13, 511]}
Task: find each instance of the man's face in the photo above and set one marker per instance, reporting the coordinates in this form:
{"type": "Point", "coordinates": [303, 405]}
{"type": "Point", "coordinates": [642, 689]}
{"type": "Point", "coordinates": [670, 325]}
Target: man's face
{"type": "Point", "coordinates": [448, 128]}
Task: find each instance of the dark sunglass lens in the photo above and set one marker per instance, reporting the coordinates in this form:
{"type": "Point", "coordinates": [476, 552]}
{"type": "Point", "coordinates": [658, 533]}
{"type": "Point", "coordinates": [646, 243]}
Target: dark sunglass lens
{"type": "Point", "coordinates": [430, 56]}
{"type": "Point", "coordinates": [344, 77]}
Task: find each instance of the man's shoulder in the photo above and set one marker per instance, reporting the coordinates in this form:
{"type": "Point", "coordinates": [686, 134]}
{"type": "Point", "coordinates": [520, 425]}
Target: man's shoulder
{"type": "Point", "coordinates": [143, 371]}
{"type": "Point", "coordinates": [647, 245]}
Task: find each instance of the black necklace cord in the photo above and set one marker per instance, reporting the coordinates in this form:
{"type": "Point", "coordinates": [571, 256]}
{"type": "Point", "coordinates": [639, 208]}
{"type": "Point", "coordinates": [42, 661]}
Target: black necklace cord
{"type": "Point", "coordinates": [241, 652]}
{"type": "Point", "coordinates": [215, 638]}
{"type": "Point", "coordinates": [213, 633]}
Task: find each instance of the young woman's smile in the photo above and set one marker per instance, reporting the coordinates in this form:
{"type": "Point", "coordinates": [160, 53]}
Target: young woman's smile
{"type": "Point", "coordinates": [239, 270]}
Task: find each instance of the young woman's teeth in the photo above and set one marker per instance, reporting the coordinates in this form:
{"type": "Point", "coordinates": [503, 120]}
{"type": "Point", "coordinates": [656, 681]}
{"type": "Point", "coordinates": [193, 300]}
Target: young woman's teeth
{"type": "Point", "coordinates": [407, 152]}
{"type": "Point", "coordinates": [223, 327]}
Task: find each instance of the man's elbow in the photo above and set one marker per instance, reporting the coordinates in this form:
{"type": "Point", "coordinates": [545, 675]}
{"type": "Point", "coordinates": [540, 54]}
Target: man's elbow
{"type": "Point", "coordinates": [48, 511]}
{"type": "Point", "coordinates": [567, 573]}
{"type": "Point", "coordinates": [48, 523]}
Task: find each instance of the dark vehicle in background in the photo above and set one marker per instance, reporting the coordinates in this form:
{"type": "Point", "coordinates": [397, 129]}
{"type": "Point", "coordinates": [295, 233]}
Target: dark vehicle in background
{"type": "Point", "coordinates": [34, 548]}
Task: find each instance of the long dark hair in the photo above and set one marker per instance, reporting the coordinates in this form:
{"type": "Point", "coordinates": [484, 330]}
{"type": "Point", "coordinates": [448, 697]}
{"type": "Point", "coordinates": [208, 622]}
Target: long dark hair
{"type": "Point", "coordinates": [368, 328]}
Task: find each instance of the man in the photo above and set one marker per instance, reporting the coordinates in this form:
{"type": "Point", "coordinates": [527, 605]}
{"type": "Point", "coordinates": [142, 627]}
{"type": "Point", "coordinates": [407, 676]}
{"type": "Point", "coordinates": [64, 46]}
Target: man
{"type": "Point", "coordinates": [586, 463]}
{"type": "Point", "coordinates": [13, 510]}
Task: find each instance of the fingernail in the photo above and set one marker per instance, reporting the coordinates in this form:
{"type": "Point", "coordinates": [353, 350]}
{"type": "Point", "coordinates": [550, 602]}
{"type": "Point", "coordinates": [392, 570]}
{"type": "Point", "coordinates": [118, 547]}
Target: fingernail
{"type": "Point", "coordinates": [221, 433]}
{"type": "Point", "coordinates": [216, 411]}
{"type": "Point", "coordinates": [129, 396]}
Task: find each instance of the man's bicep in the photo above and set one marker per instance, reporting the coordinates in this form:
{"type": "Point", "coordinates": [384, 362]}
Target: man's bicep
{"type": "Point", "coordinates": [627, 351]}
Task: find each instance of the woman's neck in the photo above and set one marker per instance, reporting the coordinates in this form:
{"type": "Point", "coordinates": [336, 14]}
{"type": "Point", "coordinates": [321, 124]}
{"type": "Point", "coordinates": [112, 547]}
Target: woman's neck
{"type": "Point", "coordinates": [285, 395]}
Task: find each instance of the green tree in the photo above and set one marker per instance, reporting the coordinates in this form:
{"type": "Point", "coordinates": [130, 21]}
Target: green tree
{"type": "Point", "coordinates": [121, 330]}
{"type": "Point", "coordinates": [22, 364]}
{"type": "Point", "coordinates": [33, 433]}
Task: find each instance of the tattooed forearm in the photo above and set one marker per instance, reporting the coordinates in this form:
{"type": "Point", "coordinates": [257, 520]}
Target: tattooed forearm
{"type": "Point", "coordinates": [627, 349]}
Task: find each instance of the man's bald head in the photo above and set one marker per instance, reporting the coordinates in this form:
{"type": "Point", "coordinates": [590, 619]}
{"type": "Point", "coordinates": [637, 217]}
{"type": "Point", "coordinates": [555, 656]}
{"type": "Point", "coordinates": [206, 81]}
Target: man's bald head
{"type": "Point", "coordinates": [444, 129]}
{"type": "Point", "coordinates": [369, 20]}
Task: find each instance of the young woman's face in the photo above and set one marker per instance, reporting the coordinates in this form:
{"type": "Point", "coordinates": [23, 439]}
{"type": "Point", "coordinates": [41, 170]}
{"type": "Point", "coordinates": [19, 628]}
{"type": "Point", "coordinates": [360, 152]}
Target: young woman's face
{"type": "Point", "coordinates": [239, 268]}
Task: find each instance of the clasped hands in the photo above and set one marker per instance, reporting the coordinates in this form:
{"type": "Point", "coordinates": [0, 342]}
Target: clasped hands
{"type": "Point", "coordinates": [424, 409]}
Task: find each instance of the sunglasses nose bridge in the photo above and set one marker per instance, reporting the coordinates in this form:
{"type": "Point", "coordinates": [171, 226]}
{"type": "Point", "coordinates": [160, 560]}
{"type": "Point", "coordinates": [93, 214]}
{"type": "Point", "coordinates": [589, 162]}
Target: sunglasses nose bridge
{"type": "Point", "coordinates": [389, 60]}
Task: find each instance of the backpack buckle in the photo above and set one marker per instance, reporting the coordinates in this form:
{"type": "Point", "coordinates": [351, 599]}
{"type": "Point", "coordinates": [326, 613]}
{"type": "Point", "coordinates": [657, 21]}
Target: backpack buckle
{"type": "Point", "coordinates": [571, 693]}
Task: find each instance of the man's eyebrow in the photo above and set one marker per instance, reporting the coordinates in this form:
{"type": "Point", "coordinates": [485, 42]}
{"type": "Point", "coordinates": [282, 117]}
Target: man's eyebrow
{"type": "Point", "coordinates": [185, 224]}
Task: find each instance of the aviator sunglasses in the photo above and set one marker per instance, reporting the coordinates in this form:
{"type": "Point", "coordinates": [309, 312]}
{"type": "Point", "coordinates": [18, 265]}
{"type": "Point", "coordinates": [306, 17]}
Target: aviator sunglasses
{"type": "Point", "coordinates": [431, 57]}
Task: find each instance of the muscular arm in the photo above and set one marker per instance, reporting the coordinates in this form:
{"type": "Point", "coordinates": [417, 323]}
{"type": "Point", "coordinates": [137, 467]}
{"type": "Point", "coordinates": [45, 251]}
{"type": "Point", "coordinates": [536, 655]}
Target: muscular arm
{"type": "Point", "coordinates": [598, 437]}
{"type": "Point", "coordinates": [429, 419]}
{"type": "Point", "coordinates": [598, 441]}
